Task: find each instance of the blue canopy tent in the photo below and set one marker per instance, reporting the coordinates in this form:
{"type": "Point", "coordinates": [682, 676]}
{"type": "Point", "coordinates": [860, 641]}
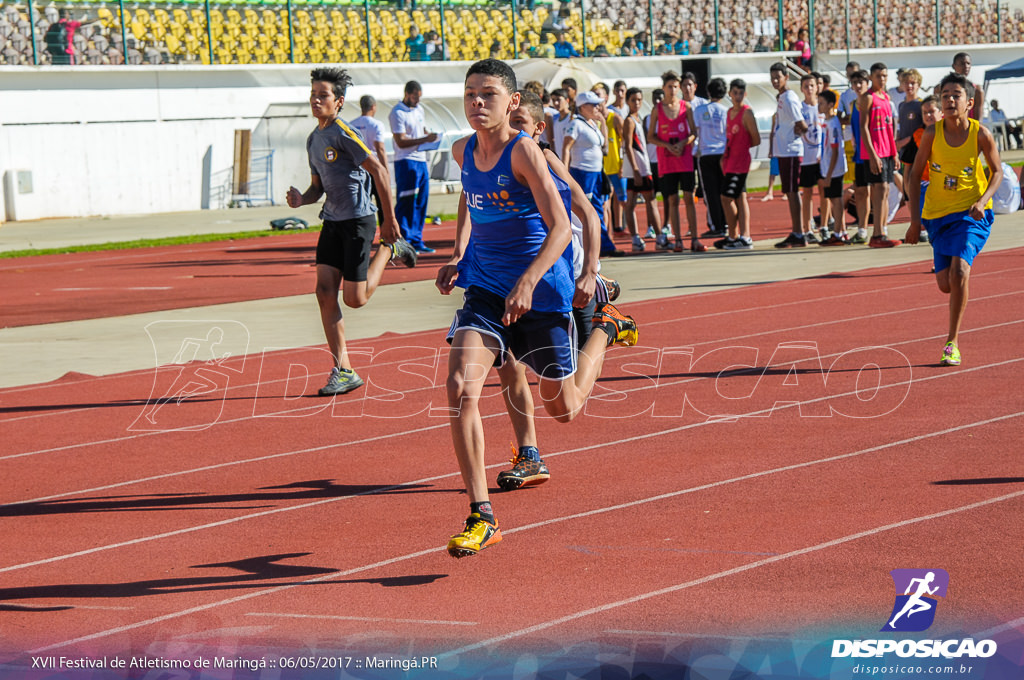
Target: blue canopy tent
{"type": "Point", "coordinates": [1014, 69]}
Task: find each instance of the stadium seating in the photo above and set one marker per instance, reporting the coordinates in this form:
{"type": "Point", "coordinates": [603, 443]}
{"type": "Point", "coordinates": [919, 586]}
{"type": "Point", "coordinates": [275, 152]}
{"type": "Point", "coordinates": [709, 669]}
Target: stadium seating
{"type": "Point", "coordinates": [256, 31]}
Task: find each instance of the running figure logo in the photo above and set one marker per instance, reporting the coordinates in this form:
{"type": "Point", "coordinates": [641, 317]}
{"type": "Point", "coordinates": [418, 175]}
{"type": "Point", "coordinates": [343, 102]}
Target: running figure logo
{"type": "Point", "coordinates": [916, 591]}
{"type": "Point", "coordinates": [195, 364]}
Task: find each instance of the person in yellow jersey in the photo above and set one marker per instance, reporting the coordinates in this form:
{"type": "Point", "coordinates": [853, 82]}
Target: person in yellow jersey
{"type": "Point", "coordinates": [957, 209]}
{"type": "Point", "coordinates": [613, 160]}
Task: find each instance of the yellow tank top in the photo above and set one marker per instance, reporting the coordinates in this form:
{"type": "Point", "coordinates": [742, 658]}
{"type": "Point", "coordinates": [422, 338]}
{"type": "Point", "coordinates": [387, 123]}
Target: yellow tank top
{"type": "Point", "coordinates": [957, 178]}
{"type": "Point", "coordinates": [613, 161]}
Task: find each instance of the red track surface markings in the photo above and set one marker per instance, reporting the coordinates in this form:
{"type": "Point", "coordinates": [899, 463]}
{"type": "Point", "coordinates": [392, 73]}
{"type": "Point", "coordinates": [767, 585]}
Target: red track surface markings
{"type": "Point", "coordinates": [37, 289]}
{"type": "Point", "coordinates": [260, 531]}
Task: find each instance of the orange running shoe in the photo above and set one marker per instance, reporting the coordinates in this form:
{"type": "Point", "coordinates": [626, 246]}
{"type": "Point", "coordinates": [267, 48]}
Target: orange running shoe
{"type": "Point", "coordinates": [626, 332]}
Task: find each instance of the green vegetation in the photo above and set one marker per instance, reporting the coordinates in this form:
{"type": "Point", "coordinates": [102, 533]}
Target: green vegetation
{"type": "Point", "coordinates": [154, 242]}
{"type": "Point", "coordinates": [170, 241]}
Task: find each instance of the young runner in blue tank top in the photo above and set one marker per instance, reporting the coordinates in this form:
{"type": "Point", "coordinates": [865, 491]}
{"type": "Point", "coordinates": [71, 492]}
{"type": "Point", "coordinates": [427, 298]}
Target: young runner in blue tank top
{"type": "Point", "coordinates": [520, 290]}
{"type": "Point", "coordinates": [528, 468]}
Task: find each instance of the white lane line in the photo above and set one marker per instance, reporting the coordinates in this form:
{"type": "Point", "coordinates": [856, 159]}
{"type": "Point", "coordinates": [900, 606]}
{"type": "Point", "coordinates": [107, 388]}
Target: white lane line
{"type": "Point", "coordinates": [498, 639]}
{"type": "Point", "coordinates": [285, 454]}
{"type": "Point", "coordinates": [434, 331]}
{"type": "Point", "coordinates": [233, 600]}
{"type": "Point", "coordinates": [227, 421]}
{"type": "Point", "coordinates": [332, 617]}
{"type": "Point", "coordinates": [752, 475]}
{"type": "Point", "coordinates": [557, 520]}
{"type": "Point", "coordinates": [761, 309]}
{"type": "Point", "coordinates": [650, 435]}
{"type": "Point", "coordinates": [229, 388]}
{"type": "Point", "coordinates": [360, 343]}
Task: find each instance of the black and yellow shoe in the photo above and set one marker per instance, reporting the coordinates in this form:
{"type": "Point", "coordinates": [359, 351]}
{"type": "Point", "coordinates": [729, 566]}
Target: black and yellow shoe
{"type": "Point", "coordinates": [528, 469]}
{"type": "Point", "coordinates": [626, 332]}
{"type": "Point", "coordinates": [478, 534]}
{"type": "Point", "coordinates": [612, 286]}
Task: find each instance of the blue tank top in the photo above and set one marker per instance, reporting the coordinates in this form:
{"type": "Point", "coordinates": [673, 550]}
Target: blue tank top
{"type": "Point", "coordinates": [855, 128]}
{"type": "Point", "coordinates": [508, 231]}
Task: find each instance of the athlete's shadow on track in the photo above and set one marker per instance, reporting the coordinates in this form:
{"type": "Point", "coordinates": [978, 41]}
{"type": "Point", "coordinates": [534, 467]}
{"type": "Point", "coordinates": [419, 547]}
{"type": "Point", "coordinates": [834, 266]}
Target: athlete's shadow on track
{"type": "Point", "coordinates": [756, 371]}
{"type": "Point", "coordinates": [258, 572]}
{"type": "Point", "coordinates": [979, 480]}
{"type": "Point", "coordinates": [272, 495]}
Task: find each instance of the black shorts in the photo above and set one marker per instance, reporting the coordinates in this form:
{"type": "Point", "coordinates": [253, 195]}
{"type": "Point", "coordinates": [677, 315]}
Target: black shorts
{"type": "Point", "coordinates": [673, 182]}
{"type": "Point", "coordinates": [887, 173]}
{"type": "Point", "coordinates": [789, 174]}
{"type": "Point", "coordinates": [834, 187]}
{"type": "Point", "coordinates": [809, 175]}
{"type": "Point", "coordinates": [544, 341]}
{"type": "Point", "coordinates": [346, 246]}
{"type": "Point", "coordinates": [734, 185]}
{"type": "Point", "coordinates": [641, 186]}
{"type": "Point", "coordinates": [860, 174]}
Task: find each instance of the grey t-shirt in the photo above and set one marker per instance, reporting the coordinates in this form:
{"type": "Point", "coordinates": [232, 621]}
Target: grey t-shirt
{"type": "Point", "coordinates": [335, 156]}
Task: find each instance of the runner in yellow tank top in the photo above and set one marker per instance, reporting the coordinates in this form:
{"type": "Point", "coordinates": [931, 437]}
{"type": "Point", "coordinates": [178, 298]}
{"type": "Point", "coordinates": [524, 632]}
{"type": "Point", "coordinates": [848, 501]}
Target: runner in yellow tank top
{"type": "Point", "coordinates": [614, 121]}
{"type": "Point", "coordinates": [958, 203]}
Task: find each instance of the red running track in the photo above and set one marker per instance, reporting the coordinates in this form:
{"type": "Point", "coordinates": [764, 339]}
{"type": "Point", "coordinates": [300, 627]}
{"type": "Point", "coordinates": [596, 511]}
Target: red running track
{"type": "Point", "coordinates": [253, 517]}
{"type": "Point", "coordinates": [55, 288]}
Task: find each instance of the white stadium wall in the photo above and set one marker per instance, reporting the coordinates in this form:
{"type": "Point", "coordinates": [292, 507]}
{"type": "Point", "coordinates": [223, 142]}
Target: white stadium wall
{"type": "Point", "coordinates": [133, 140]}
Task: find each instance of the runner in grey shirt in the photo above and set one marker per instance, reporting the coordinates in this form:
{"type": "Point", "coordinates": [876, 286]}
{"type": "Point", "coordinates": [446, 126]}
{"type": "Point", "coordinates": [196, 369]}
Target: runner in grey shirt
{"type": "Point", "coordinates": [342, 167]}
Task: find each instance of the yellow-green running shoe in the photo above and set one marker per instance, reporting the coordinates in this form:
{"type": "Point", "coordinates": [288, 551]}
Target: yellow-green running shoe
{"type": "Point", "coordinates": [950, 355]}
